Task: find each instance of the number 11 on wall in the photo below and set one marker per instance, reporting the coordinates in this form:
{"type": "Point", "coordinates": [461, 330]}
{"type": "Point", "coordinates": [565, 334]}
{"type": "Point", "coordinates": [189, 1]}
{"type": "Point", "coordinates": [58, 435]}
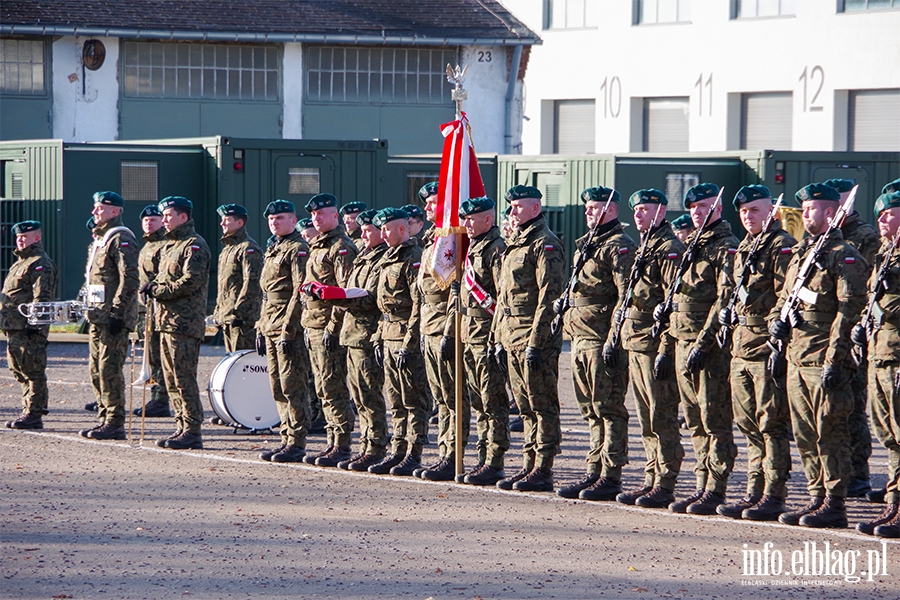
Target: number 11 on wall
{"type": "Point", "coordinates": [700, 85]}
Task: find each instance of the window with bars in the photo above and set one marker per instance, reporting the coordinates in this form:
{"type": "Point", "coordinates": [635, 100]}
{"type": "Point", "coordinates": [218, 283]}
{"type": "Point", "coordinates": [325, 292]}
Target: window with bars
{"type": "Point", "coordinates": [139, 180]}
{"type": "Point", "coordinates": [22, 67]}
{"type": "Point", "coordinates": [748, 9]}
{"type": "Point", "coordinates": [378, 75]}
{"type": "Point", "coordinates": [414, 182]}
{"type": "Point", "coordinates": [200, 71]}
{"type": "Point", "coordinates": [646, 12]}
{"type": "Point", "coordinates": [855, 5]}
{"type": "Point", "coordinates": [303, 180]}
{"type": "Point", "coordinates": [570, 14]}
{"type": "Point", "coordinates": [677, 185]}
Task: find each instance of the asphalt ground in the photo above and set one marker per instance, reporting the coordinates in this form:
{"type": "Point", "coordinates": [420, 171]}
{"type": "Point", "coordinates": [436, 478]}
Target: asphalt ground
{"type": "Point", "coordinates": [92, 519]}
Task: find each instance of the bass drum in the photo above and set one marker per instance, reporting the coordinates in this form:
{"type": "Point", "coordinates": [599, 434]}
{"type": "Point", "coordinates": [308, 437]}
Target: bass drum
{"type": "Point", "coordinates": [239, 391]}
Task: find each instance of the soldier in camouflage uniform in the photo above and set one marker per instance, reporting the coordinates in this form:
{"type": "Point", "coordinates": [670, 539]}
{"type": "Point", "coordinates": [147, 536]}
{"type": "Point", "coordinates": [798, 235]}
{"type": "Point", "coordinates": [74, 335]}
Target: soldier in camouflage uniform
{"type": "Point", "coordinates": [349, 212]}
{"type": "Point", "coordinates": [651, 360]}
{"type": "Point", "coordinates": [819, 365]}
{"type": "Point", "coordinates": [239, 295]}
{"type": "Point", "coordinates": [683, 228]}
{"type": "Point", "coordinates": [112, 285]}
{"type": "Point", "coordinates": [699, 363]}
{"type": "Point", "coordinates": [306, 229]}
{"type": "Point", "coordinates": [279, 336]}
{"type": "Point", "coordinates": [884, 360]}
{"type": "Point", "coordinates": [331, 257]}
{"type": "Point", "coordinates": [531, 279]}
{"type": "Point", "coordinates": [417, 215]}
{"type": "Point", "coordinates": [599, 368]}
{"type": "Point", "coordinates": [316, 417]}
{"type": "Point", "coordinates": [759, 401]}
{"type": "Point", "coordinates": [180, 291]}
{"type": "Point", "coordinates": [32, 278]}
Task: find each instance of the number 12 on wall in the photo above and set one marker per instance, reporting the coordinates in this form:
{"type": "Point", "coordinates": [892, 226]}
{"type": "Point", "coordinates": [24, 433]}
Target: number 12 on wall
{"type": "Point", "coordinates": [815, 77]}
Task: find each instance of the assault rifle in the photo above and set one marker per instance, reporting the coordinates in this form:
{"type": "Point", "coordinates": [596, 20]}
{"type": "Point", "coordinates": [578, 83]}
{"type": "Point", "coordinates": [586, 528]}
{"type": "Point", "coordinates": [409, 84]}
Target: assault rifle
{"type": "Point", "coordinates": [873, 315]}
{"type": "Point", "coordinates": [723, 337]}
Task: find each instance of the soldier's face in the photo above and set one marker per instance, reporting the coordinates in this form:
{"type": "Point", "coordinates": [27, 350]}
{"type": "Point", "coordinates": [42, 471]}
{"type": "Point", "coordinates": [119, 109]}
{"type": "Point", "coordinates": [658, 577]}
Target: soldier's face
{"type": "Point", "coordinates": [371, 235]}
{"type": "Point", "coordinates": [816, 214]}
{"type": "Point", "coordinates": [524, 210]}
{"type": "Point", "coordinates": [172, 219]}
{"type": "Point", "coordinates": [888, 222]}
{"type": "Point", "coordinates": [593, 211]}
{"type": "Point", "coordinates": [754, 214]}
{"type": "Point", "coordinates": [645, 216]}
{"type": "Point", "coordinates": [700, 208]}
{"type": "Point", "coordinates": [325, 219]}
{"type": "Point", "coordinates": [478, 223]}
{"type": "Point", "coordinates": [230, 224]}
{"type": "Point", "coordinates": [104, 213]}
{"type": "Point", "coordinates": [431, 207]}
{"type": "Point", "coordinates": [350, 223]}
{"type": "Point", "coordinates": [683, 234]}
{"type": "Point", "coordinates": [395, 232]}
{"type": "Point", "coordinates": [308, 234]}
{"type": "Point", "coordinates": [151, 224]}
{"type": "Point", "coordinates": [282, 224]}
{"type": "Point", "coordinates": [23, 240]}
{"type": "Point", "coordinates": [415, 226]}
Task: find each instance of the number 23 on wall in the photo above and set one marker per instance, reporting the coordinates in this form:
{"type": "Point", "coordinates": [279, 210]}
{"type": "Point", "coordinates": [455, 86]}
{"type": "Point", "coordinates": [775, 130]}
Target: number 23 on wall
{"type": "Point", "coordinates": [813, 81]}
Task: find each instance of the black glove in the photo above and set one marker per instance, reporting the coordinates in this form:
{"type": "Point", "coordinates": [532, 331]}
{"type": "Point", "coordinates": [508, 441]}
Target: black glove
{"type": "Point", "coordinates": [533, 358]}
{"type": "Point", "coordinates": [115, 326]}
{"type": "Point", "coordinates": [286, 346]}
{"type": "Point", "coordinates": [33, 329]}
{"type": "Point", "coordinates": [329, 341]}
{"type": "Point", "coordinates": [725, 317]}
{"type": "Point", "coordinates": [776, 365]}
{"type": "Point", "coordinates": [378, 351]}
{"type": "Point", "coordinates": [237, 322]}
{"type": "Point", "coordinates": [447, 347]}
{"type": "Point", "coordinates": [402, 359]}
{"type": "Point", "coordinates": [260, 344]}
{"type": "Point", "coordinates": [146, 290]}
{"type": "Point", "coordinates": [831, 376]}
{"type": "Point", "coordinates": [501, 357]}
{"type": "Point", "coordinates": [660, 314]}
{"type": "Point", "coordinates": [610, 356]}
{"type": "Point", "coordinates": [663, 367]}
{"type": "Point", "coordinates": [858, 336]}
{"type": "Point", "coordinates": [558, 305]}
{"type": "Point", "coordinates": [695, 360]}
{"type": "Point", "coordinates": [779, 330]}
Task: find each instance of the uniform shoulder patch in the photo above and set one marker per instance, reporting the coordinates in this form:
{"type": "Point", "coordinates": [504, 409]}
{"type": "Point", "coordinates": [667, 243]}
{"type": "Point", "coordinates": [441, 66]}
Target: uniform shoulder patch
{"type": "Point", "coordinates": [849, 260]}
{"type": "Point", "coordinates": [251, 251]}
{"type": "Point", "coordinates": [342, 252]}
{"type": "Point", "coordinates": [39, 268]}
{"type": "Point", "coordinates": [195, 247]}
{"type": "Point", "coordinates": [732, 251]}
{"type": "Point", "coordinates": [302, 253]}
{"type": "Point", "coordinates": [415, 265]}
{"type": "Point", "coordinates": [672, 255]}
{"type": "Point", "coordinates": [549, 247]}
{"type": "Point", "coordinates": [787, 250]}
{"type": "Point", "coordinates": [623, 250]}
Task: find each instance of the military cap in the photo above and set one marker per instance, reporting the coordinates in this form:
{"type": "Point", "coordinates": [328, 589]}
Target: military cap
{"type": "Point", "coordinates": [599, 194]}
{"type": "Point", "coordinates": [232, 210]}
{"type": "Point", "coordinates": [647, 196]}
{"type": "Point", "coordinates": [111, 198]}
{"type": "Point", "coordinates": [476, 205]}
{"type": "Point", "coordinates": [25, 227]}
{"type": "Point", "coordinates": [886, 201]}
{"type": "Point", "coordinates": [701, 191]}
{"type": "Point", "coordinates": [304, 223]}
{"type": "Point", "coordinates": [893, 186]}
{"type": "Point", "coordinates": [517, 192]}
{"type": "Point", "coordinates": [175, 202]}
{"type": "Point", "coordinates": [320, 201]}
{"type": "Point", "coordinates": [353, 207]}
{"type": "Point", "coordinates": [749, 193]}
{"type": "Point", "coordinates": [151, 210]}
{"type": "Point", "coordinates": [683, 222]}
{"type": "Point", "coordinates": [386, 215]}
{"type": "Point", "coordinates": [429, 189]}
{"type": "Point", "coordinates": [817, 191]}
{"type": "Point", "coordinates": [279, 206]}
{"type": "Point", "coordinates": [414, 211]}
{"type": "Point", "coordinates": [841, 185]}
{"type": "Point", "coordinates": [91, 223]}
{"type": "Point", "coordinates": [366, 216]}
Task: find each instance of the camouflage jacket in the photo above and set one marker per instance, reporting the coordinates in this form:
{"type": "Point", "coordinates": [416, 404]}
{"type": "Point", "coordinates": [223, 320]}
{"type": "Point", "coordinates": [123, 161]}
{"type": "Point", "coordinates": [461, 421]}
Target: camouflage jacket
{"type": "Point", "coordinates": [703, 290]}
{"type": "Point", "coordinates": [283, 272]}
{"type": "Point", "coordinates": [182, 284]}
{"type": "Point", "coordinates": [240, 264]}
{"type": "Point", "coordinates": [32, 278]}
{"type": "Point", "coordinates": [884, 345]}
{"type": "Point", "coordinates": [602, 282]}
{"type": "Point", "coordinates": [356, 237]}
{"type": "Point", "coordinates": [861, 236]}
{"type": "Point", "coordinates": [485, 256]}
{"type": "Point", "coordinates": [148, 258]}
{"type": "Point", "coordinates": [331, 257]}
{"type": "Point", "coordinates": [395, 298]}
{"type": "Point", "coordinates": [114, 270]}
{"type": "Point", "coordinates": [531, 278]}
{"type": "Point", "coordinates": [760, 291]}
{"type": "Point", "coordinates": [660, 263]}
{"type": "Point", "coordinates": [362, 314]}
{"type": "Point", "coordinates": [434, 310]}
{"type": "Point", "coordinates": [837, 295]}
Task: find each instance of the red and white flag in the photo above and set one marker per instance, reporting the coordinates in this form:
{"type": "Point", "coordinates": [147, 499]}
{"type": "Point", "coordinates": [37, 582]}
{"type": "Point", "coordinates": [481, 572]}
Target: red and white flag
{"type": "Point", "coordinates": [460, 180]}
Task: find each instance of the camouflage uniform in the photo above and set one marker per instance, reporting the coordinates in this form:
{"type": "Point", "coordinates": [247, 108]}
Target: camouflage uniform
{"type": "Point", "coordinates": [331, 257]}
{"type": "Point", "coordinates": [181, 291]}
{"type": "Point", "coordinates": [706, 395]}
{"type": "Point", "coordinates": [32, 278]}
{"type": "Point", "coordinates": [114, 268]}
{"type": "Point", "coordinates": [599, 389]}
{"type": "Point", "coordinates": [356, 237]}
{"type": "Point", "coordinates": [148, 263]}
{"type": "Point", "coordinates": [283, 272]}
{"type": "Point", "coordinates": [239, 294]}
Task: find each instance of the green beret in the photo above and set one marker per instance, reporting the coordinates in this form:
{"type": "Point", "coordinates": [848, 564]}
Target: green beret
{"type": "Point", "coordinates": [817, 191]}
{"type": "Point", "coordinates": [841, 185]}
{"type": "Point", "coordinates": [90, 224]}
{"type": "Point", "coordinates": [599, 194]}
{"type": "Point", "coordinates": [353, 207]}
{"type": "Point", "coordinates": [476, 205]}
{"type": "Point", "coordinates": [25, 227]}
{"type": "Point", "coordinates": [683, 222]}
{"type": "Point", "coordinates": [232, 210]}
{"type": "Point", "coordinates": [427, 190]}
{"type": "Point", "coordinates": [752, 192]}
{"type": "Point", "coordinates": [175, 202]}
{"type": "Point", "coordinates": [365, 217]}
{"type": "Point", "coordinates": [893, 186]}
{"type": "Point", "coordinates": [886, 201]}
{"type": "Point", "coordinates": [647, 196]}
{"type": "Point", "coordinates": [701, 191]}
{"type": "Point", "coordinates": [279, 206]}
{"type": "Point", "coordinates": [414, 211]}
{"type": "Point", "coordinates": [320, 201]}
{"type": "Point", "coordinates": [151, 210]}
{"type": "Point", "coordinates": [111, 198]}
{"type": "Point", "coordinates": [304, 223]}
{"type": "Point", "coordinates": [517, 192]}
{"type": "Point", "coordinates": [386, 215]}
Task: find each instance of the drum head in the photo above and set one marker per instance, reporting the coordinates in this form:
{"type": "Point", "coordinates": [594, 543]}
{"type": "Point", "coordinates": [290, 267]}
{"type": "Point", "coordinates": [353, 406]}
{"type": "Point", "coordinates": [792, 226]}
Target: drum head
{"type": "Point", "coordinates": [239, 387]}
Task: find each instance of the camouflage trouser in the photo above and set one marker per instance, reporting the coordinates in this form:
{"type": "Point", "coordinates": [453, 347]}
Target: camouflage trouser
{"type": "Point", "coordinates": [330, 369]}
{"type": "Point", "coordinates": [706, 400]}
{"type": "Point", "coordinates": [761, 413]}
{"type": "Point", "coordinates": [26, 353]}
{"type": "Point", "coordinates": [366, 381]}
{"type": "Point", "coordinates": [858, 426]}
{"type": "Point", "coordinates": [409, 403]}
{"type": "Point", "coordinates": [314, 411]}
{"type": "Point", "coordinates": [181, 354]}
{"type": "Point", "coordinates": [442, 382]}
{"type": "Point", "coordinates": [158, 391]}
{"type": "Point", "coordinates": [108, 353]}
{"type": "Point", "coordinates": [656, 405]}
{"type": "Point", "coordinates": [600, 393]}
{"type": "Point", "coordinates": [238, 338]}
{"type": "Point", "coordinates": [819, 419]}
{"type": "Point", "coordinates": [886, 421]}
{"type": "Point", "coordinates": [487, 391]}
{"type": "Point", "coordinates": [288, 379]}
{"type": "Point", "coordinates": [537, 395]}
